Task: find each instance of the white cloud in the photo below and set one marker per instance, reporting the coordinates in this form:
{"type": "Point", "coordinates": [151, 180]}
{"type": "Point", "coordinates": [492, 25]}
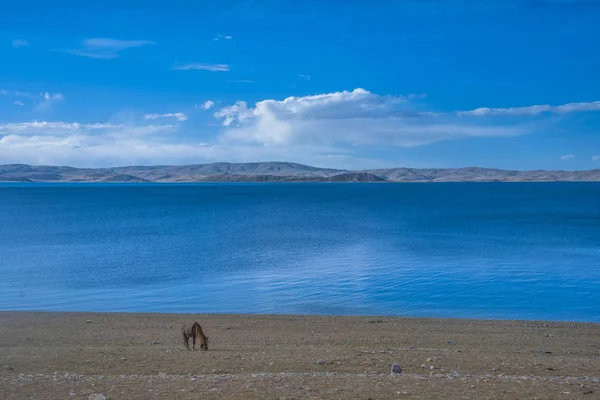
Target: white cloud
{"type": "Point", "coordinates": [567, 157]}
{"type": "Point", "coordinates": [179, 116]}
{"type": "Point", "coordinates": [307, 77]}
{"type": "Point", "coordinates": [359, 103]}
{"type": "Point", "coordinates": [85, 150]}
{"type": "Point", "coordinates": [42, 100]}
{"type": "Point", "coordinates": [106, 144]}
{"type": "Point", "coordinates": [207, 105]}
{"type": "Point", "coordinates": [240, 81]}
{"type": "Point", "coordinates": [115, 44]}
{"type": "Point", "coordinates": [20, 43]}
{"type": "Point", "coordinates": [94, 131]}
{"type": "Point", "coordinates": [533, 110]}
{"type": "Point", "coordinates": [49, 99]}
{"type": "Point", "coordinates": [14, 93]}
{"type": "Point", "coordinates": [352, 118]}
{"type": "Point", "coordinates": [237, 112]}
{"type": "Point", "coordinates": [111, 144]}
{"type": "Point", "coordinates": [596, 158]}
{"type": "Point", "coordinates": [95, 151]}
{"type": "Point", "coordinates": [333, 129]}
{"type": "Point", "coordinates": [104, 48]}
{"type": "Point", "coordinates": [45, 127]}
{"type": "Point", "coordinates": [225, 37]}
{"type": "Point", "coordinates": [201, 66]}
{"type": "Point", "coordinates": [49, 96]}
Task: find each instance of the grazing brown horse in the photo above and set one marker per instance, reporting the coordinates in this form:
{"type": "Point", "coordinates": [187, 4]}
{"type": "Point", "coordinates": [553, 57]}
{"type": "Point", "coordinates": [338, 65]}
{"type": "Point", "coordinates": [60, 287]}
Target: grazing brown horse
{"type": "Point", "coordinates": [194, 331]}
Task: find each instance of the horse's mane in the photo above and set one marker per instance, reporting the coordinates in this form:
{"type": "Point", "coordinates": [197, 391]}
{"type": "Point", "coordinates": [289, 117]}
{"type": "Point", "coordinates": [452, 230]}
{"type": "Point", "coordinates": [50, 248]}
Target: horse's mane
{"type": "Point", "coordinates": [199, 332]}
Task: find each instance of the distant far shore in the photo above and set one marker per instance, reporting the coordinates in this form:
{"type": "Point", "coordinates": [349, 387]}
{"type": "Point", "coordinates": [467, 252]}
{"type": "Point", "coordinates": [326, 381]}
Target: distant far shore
{"type": "Point", "coordinates": [280, 172]}
{"type": "Point", "coordinates": [49, 355]}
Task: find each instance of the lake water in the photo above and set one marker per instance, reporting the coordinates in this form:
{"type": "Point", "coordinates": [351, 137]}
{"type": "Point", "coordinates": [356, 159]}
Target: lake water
{"type": "Point", "coordinates": [477, 250]}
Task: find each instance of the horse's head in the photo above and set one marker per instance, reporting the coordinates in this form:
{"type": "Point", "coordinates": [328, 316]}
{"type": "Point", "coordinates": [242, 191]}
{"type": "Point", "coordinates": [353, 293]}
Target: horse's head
{"type": "Point", "coordinates": [206, 343]}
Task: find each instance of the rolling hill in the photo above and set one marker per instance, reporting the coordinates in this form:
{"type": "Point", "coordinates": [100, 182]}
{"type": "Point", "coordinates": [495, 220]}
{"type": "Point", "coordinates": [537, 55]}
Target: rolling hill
{"type": "Point", "coordinates": [279, 172]}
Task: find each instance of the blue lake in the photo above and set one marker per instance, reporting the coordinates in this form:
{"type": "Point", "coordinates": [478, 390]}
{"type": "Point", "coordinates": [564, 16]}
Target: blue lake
{"type": "Point", "coordinates": [472, 250]}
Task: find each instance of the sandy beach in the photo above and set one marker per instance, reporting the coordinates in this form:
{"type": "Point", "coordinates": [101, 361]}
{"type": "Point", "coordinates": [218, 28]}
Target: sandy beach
{"type": "Point", "coordinates": [142, 356]}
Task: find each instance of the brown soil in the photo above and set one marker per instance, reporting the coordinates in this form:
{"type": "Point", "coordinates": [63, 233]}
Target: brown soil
{"type": "Point", "coordinates": [141, 356]}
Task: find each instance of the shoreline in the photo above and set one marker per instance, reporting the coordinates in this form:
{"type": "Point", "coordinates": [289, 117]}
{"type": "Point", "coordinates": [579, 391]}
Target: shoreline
{"type": "Point", "coordinates": [48, 355]}
{"type": "Point", "coordinates": [269, 315]}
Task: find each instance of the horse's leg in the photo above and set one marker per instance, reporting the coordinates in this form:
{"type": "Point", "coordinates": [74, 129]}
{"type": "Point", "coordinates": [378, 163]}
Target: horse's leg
{"type": "Point", "coordinates": [185, 341]}
{"type": "Point", "coordinates": [194, 343]}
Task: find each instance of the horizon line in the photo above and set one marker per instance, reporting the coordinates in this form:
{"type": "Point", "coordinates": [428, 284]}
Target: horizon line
{"type": "Point", "coordinates": [296, 163]}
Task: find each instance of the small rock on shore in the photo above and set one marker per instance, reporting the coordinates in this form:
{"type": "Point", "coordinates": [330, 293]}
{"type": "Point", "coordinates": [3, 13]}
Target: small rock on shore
{"type": "Point", "coordinates": [396, 369]}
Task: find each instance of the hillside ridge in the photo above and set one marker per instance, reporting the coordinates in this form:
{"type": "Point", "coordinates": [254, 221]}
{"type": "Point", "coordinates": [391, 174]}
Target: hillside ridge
{"type": "Point", "coordinates": [274, 171]}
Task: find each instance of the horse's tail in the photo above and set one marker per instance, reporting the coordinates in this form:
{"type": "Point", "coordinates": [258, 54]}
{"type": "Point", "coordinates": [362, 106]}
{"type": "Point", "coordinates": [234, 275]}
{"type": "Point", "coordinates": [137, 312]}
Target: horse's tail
{"type": "Point", "coordinates": [185, 339]}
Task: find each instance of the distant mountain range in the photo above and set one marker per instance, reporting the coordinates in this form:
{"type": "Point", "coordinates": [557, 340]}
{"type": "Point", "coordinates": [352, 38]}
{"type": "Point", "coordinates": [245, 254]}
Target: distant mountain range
{"type": "Point", "coordinates": [279, 172]}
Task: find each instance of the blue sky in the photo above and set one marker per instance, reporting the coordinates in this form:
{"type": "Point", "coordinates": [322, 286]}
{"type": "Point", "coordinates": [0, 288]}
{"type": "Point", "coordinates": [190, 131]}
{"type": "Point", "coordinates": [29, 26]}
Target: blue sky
{"type": "Point", "coordinates": [350, 84]}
